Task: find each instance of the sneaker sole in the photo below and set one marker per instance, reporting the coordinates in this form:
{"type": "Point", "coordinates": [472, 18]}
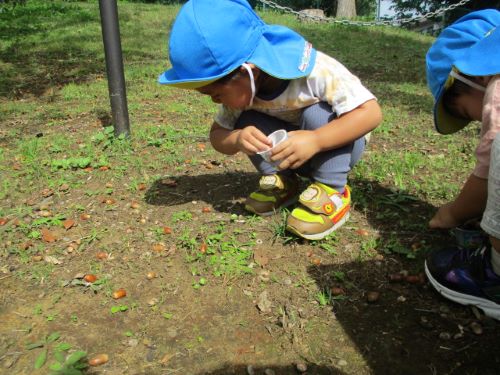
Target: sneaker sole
{"type": "Point", "coordinates": [287, 203]}
{"type": "Point", "coordinates": [490, 308]}
{"type": "Point", "coordinates": [320, 236]}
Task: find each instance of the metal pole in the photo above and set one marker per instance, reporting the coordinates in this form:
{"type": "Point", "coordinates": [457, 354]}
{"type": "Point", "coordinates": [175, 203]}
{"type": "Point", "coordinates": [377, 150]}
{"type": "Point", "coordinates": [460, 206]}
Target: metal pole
{"type": "Point", "coordinates": [114, 65]}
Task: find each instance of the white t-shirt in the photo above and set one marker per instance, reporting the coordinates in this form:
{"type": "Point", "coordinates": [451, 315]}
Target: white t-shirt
{"type": "Point", "coordinates": [329, 81]}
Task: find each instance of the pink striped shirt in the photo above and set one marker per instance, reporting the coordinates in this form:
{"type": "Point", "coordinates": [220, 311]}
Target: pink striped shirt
{"type": "Point", "coordinates": [489, 128]}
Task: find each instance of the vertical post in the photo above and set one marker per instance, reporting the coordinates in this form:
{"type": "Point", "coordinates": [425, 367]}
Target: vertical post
{"type": "Point", "coordinates": [114, 65]}
{"type": "Point", "coordinates": [377, 16]}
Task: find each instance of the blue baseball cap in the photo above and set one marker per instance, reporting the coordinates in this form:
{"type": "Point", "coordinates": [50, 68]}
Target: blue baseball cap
{"type": "Point", "coordinates": [211, 38]}
{"type": "Point", "coordinates": [470, 45]}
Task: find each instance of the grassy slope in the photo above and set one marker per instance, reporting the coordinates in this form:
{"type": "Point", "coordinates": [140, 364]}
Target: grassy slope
{"type": "Point", "coordinates": [52, 58]}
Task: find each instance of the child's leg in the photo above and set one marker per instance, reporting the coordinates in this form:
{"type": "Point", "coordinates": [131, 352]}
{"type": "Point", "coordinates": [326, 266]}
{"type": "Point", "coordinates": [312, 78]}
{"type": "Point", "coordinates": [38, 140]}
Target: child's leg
{"type": "Point", "coordinates": [329, 167]}
{"type": "Point", "coordinates": [266, 124]}
{"type": "Point", "coordinates": [491, 216]}
{"type": "Point", "coordinates": [275, 190]}
{"type": "Point", "coordinates": [325, 204]}
{"type": "Point", "coordinates": [473, 277]}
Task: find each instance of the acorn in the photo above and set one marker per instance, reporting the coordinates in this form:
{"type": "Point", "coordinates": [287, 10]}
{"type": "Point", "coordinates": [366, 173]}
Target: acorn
{"type": "Point", "coordinates": [90, 278]}
{"type": "Point", "coordinates": [120, 293]}
{"type": "Point", "coordinates": [98, 360]}
{"type": "Point", "coordinates": [101, 255]}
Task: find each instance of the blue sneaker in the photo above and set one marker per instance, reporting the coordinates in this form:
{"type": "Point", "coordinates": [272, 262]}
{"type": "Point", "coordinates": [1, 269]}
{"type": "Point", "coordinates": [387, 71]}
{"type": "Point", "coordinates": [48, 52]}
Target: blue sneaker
{"type": "Point", "coordinates": [466, 277]}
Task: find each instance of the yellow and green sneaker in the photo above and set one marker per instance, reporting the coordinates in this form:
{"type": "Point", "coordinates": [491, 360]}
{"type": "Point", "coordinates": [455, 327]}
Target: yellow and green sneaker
{"type": "Point", "coordinates": [323, 210]}
{"type": "Point", "coordinates": [275, 191]}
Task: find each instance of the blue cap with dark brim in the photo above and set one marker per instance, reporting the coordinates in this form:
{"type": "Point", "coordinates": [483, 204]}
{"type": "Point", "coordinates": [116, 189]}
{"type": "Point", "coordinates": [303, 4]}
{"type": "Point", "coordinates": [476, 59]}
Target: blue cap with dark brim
{"type": "Point", "coordinates": [472, 46]}
{"type": "Point", "coordinates": [210, 39]}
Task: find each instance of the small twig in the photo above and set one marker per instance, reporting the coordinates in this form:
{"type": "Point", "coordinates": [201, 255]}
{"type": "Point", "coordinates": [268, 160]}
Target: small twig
{"type": "Point", "coordinates": [11, 353]}
{"type": "Point", "coordinates": [466, 347]}
{"type": "Point", "coordinates": [4, 277]}
{"type": "Point", "coordinates": [429, 311]}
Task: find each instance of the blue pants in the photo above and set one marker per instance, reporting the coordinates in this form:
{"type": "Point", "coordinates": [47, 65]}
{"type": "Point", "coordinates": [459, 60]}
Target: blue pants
{"type": "Point", "coordinates": [328, 167]}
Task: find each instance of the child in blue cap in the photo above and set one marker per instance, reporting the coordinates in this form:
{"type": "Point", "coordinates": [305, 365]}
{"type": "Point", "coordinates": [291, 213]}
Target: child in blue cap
{"type": "Point", "coordinates": [266, 78]}
{"type": "Point", "coordinates": [463, 72]}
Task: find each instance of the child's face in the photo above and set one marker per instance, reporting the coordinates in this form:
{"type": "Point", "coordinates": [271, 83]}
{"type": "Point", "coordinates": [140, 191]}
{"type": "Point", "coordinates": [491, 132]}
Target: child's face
{"type": "Point", "coordinates": [235, 93]}
{"type": "Point", "coordinates": [470, 106]}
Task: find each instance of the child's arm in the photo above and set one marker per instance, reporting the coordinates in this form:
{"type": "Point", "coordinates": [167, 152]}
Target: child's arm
{"type": "Point", "coordinates": [469, 204]}
{"type": "Point", "coordinates": [248, 140]}
{"type": "Point", "coordinates": [304, 144]}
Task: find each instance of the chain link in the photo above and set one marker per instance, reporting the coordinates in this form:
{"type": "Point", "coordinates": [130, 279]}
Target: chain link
{"type": "Point", "coordinates": [389, 22]}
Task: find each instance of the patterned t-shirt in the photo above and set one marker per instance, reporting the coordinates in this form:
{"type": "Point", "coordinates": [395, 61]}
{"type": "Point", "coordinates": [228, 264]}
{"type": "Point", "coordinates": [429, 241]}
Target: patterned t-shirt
{"type": "Point", "coordinates": [329, 81]}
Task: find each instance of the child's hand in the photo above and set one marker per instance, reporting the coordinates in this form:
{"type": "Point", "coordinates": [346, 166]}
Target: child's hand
{"type": "Point", "coordinates": [251, 140]}
{"type": "Point", "coordinates": [300, 146]}
{"type": "Point", "coordinates": [444, 219]}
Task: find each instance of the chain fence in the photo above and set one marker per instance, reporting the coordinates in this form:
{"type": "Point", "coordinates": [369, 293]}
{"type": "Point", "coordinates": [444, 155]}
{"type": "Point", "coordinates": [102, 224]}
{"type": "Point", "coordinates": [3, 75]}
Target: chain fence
{"type": "Point", "coordinates": [387, 22]}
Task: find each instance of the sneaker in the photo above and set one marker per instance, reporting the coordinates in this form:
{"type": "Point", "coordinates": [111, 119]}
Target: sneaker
{"type": "Point", "coordinates": [323, 210]}
{"type": "Point", "coordinates": [275, 191]}
{"type": "Point", "coordinates": [466, 277]}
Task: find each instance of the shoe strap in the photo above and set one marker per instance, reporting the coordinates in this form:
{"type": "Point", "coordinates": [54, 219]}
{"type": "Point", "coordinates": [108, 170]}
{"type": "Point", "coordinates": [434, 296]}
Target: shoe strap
{"type": "Point", "coordinates": [318, 201]}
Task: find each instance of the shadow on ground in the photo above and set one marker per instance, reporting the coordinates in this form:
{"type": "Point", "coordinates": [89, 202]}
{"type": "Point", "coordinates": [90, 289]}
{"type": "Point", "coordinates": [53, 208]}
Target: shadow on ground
{"type": "Point", "coordinates": [223, 191]}
{"type": "Point", "coordinates": [409, 329]}
{"type": "Point", "coordinates": [277, 370]}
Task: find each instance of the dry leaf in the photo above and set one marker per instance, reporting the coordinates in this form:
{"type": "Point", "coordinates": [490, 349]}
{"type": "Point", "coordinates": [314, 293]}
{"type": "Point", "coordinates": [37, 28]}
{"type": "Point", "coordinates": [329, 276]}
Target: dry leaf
{"type": "Point", "coordinates": [48, 236]}
{"type": "Point", "coordinates": [68, 223]}
{"type": "Point", "coordinates": [52, 259]}
{"type": "Point", "coordinates": [158, 247]}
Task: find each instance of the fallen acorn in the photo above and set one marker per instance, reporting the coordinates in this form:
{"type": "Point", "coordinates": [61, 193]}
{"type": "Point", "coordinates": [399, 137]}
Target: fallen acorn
{"type": "Point", "coordinates": [203, 248]}
{"type": "Point", "coordinates": [206, 209]}
{"type": "Point", "coordinates": [3, 220]}
{"type": "Point", "coordinates": [167, 230]}
{"type": "Point", "coordinates": [396, 277]}
{"type": "Point", "coordinates": [101, 255]}
{"type": "Point", "coordinates": [90, 278]}
{"type": "Point", "coordinates": [98, 360]}
{"type": "Point", "coordinates": [151, 275]}
{"type": "Point", "coordinates": [476, 328]}
{"type": "Point", "coordinates": [120, 293]}
{"type": "Point", "coordinates": [84, 216]}
{"type": "Point", "coordinates": [362, 232]}
{"type": "Point", "coordinates": [337, 291]}
{"type": "Point", "coordinates": [372, 296]}
{"type": "Point", "coordinates": [412, 279]}
{"type": "Point", "coordinates": [158, 247]}
{"type": "Point", "coordinates": [316, 261]}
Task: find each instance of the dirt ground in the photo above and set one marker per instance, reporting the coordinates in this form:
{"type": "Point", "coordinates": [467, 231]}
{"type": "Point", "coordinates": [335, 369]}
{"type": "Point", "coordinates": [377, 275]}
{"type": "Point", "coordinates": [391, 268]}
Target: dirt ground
{"type": "Point", "coordinates": [263, 316]}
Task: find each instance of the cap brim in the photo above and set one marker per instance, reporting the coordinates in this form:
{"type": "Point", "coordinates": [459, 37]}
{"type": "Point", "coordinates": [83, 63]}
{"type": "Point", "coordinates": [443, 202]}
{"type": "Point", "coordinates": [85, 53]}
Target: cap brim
{"type": "Point", "coordinates": [169, 78]}
{"type": "Point", "coordinates": [444, 122]}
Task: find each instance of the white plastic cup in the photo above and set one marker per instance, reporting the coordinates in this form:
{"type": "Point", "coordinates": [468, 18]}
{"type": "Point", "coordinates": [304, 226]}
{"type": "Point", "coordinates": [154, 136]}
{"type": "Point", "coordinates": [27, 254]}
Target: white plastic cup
{"type": "Point", "coordinates": [276, 138]}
